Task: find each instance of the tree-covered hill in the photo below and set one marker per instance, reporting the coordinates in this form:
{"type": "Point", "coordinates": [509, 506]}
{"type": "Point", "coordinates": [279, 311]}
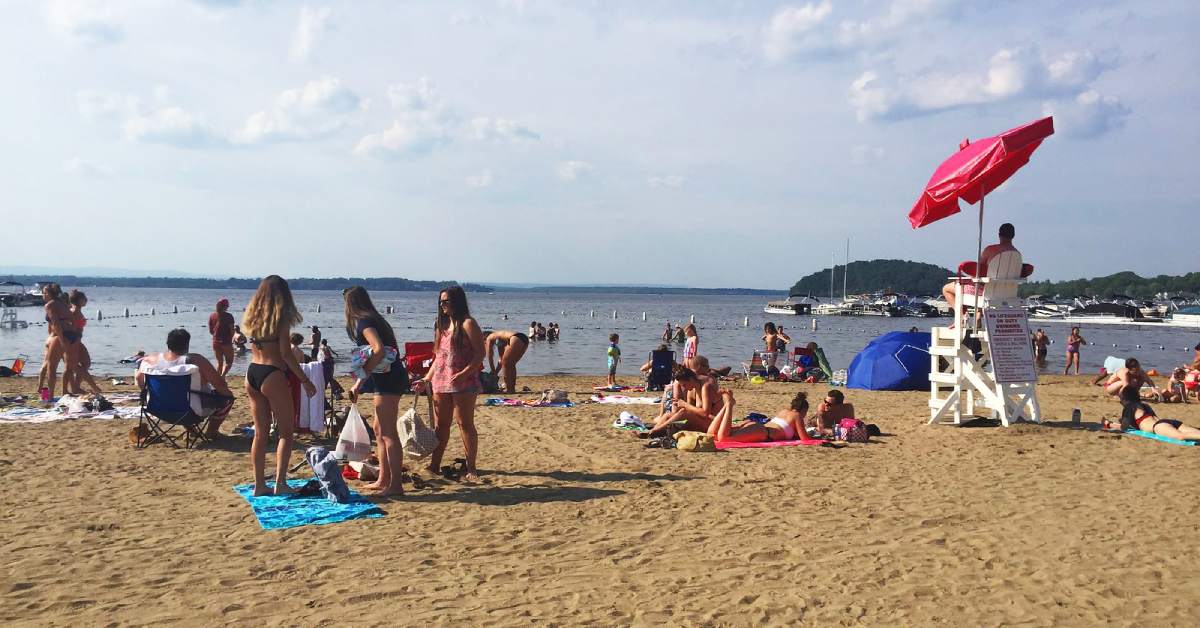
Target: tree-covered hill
{"type": "Point", "coordinates": [1126, 282]}
{"type": "Point", "coordinates": [915, 278]}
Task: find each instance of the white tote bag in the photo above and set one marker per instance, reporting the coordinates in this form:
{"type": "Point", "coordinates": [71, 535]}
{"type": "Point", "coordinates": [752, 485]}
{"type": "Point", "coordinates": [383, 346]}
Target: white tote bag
{"type": "Point", "coordinates": [354, 443]}
{"type": "Point", "coordinates": [417, 438]}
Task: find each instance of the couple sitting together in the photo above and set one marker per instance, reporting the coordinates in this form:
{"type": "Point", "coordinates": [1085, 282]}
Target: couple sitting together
{"type": "Point", "coordinates": [695, 399]}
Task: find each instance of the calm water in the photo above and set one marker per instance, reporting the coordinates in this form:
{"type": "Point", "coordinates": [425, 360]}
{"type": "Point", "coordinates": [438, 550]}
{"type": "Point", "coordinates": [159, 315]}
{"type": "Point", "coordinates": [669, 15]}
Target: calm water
{"type": "Point", "coordinates": [584, 337]}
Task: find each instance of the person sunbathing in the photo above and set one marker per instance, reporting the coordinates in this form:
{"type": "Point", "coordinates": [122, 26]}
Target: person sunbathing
{"type": "Point", "coordinates": [830, 412]}
{"type": "Point", "coordinates": [698, 414]}
{"type": "Point", "coordinates": [787, 424]}
{"type": "Point", "coordinates": [1138, 415]}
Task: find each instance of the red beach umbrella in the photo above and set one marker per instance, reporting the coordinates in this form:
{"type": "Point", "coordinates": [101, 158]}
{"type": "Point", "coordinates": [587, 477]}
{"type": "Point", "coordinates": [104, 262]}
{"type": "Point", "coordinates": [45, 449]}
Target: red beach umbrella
{"type": "Point", "coordinates": [976, 169]}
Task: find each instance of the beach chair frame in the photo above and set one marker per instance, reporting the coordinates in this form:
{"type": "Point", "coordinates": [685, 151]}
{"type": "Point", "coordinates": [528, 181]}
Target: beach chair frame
{"type": "Point", "coordinates": [757, 364]}
{"type": "Point", "coordinates": [166, 412]}
{"type": "Point", "coordinates": [662, 365]}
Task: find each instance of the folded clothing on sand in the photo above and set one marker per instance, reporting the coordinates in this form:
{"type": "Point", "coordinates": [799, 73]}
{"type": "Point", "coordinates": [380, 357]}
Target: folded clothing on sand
{"type": "Point", "coordinates": [522, 403]}
{"type": "Point", "coordinates": [627, 421]}
{"type": "Point", "coordinates": [290, 511]}
{"type": "Point", "coordinates": [623, 400]}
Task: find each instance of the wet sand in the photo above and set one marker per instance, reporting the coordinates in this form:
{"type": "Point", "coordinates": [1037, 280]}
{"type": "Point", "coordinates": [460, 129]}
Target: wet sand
{"type": "Point", "coordinates": [578, 523]}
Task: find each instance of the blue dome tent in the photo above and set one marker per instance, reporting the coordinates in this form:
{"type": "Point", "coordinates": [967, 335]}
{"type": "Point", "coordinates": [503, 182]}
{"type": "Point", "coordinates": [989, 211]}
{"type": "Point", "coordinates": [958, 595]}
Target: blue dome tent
{"type": "Point", "coordinates": [894, 361]}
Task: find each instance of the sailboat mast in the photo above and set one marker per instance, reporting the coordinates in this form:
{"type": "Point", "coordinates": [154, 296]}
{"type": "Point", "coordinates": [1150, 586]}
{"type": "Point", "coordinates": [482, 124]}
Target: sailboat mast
{"type": "Point", "coordinates": [846, 270]}
{"type": "Point", "coordinates": [832, 265]}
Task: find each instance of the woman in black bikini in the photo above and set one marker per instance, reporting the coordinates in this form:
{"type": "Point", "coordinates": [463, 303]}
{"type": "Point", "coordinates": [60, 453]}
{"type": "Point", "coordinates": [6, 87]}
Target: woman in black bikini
{"type": "Point", "coordinates": [273, 378]}
{"type": "Point", "coordinates": [65, 338]}
{"type": "Point", "coordinates": [366, 326]}
{"type": "Point", "coordinates": [510, 346]}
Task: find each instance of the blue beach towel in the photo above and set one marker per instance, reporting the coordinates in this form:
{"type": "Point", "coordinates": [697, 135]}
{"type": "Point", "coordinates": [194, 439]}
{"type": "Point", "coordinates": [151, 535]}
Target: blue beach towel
{"type": "Point", "coordinates": [277, 513]}
{"type": "Point", "coordinates": [1165, 439]}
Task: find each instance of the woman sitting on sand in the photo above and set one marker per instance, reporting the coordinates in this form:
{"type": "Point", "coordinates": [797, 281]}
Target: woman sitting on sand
{"type": "Point", "coordinates": [787, 424]}
{"type": "Point", "coordinates": [698, 415]}
{"type": "Point", "coordinates": [273, 379]}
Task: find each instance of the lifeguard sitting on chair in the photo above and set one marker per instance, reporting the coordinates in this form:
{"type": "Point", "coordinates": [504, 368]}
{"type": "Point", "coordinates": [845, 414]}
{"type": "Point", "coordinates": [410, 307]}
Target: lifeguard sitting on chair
{"type": "Point", "coordinates": [967, 270]}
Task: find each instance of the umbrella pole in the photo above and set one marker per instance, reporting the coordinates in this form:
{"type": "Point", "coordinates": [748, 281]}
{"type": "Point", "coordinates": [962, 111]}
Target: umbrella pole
{"type": "Point", "coordinates": [979, 257]}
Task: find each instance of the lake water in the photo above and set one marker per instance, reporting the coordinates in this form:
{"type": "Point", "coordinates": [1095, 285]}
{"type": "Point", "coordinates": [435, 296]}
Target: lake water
{"type": "Point", "coordinates": [584, 337]}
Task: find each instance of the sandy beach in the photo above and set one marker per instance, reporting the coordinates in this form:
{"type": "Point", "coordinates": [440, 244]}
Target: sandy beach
{"type": "Point", "coordinates": [578, 523]}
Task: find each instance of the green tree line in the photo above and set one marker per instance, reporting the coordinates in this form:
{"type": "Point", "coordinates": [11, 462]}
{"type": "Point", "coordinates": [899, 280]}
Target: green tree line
{"type": "Point", "coordinates": [1126, 282]}
{"type": "Point", "coordinates": [914, 278]}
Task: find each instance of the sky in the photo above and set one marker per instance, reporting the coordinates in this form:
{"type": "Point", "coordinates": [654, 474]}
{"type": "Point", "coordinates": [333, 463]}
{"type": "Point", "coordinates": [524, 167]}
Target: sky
{"type": "Point", "coordinates": [708, 144]}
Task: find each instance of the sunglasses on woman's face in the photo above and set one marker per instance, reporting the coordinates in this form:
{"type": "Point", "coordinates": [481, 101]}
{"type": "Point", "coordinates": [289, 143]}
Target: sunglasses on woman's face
{"type": "Point", "coordinates": [444, 302]}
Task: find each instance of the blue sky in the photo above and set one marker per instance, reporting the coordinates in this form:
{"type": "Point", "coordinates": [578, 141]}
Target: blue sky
{"type": "Point", "coordinates": [706, 144]}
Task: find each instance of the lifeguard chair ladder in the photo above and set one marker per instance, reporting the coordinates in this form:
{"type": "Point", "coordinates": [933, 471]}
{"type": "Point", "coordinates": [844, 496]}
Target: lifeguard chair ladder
{"type": "Point", "coordinates": [960, 382]}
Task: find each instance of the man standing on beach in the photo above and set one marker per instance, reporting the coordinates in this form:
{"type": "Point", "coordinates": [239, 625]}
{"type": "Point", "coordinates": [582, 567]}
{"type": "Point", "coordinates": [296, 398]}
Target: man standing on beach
{"type": "Point", "coordinates": [220, 325]}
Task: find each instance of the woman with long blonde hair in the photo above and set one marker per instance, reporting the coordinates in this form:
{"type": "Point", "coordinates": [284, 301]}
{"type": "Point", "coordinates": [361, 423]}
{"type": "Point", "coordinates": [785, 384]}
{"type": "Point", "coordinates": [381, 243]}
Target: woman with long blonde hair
{"type": "Point", "coordinates": [274, 378]}
{"type": "Point", "coordinates": [454, 376]}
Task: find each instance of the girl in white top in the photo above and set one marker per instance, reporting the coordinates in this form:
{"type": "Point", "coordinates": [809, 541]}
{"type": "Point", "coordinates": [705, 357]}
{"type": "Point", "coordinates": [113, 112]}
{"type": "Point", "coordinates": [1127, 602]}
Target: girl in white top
{"type": "Point", "coordinates": [787, 424]}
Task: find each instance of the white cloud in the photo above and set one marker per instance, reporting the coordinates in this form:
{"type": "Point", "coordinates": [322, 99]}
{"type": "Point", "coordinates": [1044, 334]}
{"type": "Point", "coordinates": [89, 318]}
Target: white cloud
{"type": "Point", "coordinates": [466, 18]}
{"type": "Point", "coordinates": [666, 181]}
{"type": "Point", "coordinates": [1088, 115]}
{"type": "Point", "coordinates": [172, 126]}
{"type": "Point", "coordinates": [99, 104]}
{"type": "Point", "coordinates": [1011, 74]}
{"type": "Point", "coordinates": [788, 27]}
{"type": "Point", "coordinates": [887, 26]}
{"type": "Point", "coordinates": [312, 24]}
{"type": "Point", "coordinates": [320, 107]}
{"type": "Point", "coordinates": [864, 154]}
{"type": "Point", "coordinates": [482, 180]}
{"type": "Point", "coordinates": [90, 22]}
{"type": "Point", "coordinates": [82, 167]}
{"type": "Point", "coordinates": [425, 122]}
{"type": "Point", "coordinates": [484, 128]}
{"type": "Point", "coordinates": [573, 169]}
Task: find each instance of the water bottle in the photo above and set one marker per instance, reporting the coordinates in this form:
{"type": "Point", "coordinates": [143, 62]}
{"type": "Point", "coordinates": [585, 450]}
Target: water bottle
{"type": "Point", "coordinates": [1075, 416]}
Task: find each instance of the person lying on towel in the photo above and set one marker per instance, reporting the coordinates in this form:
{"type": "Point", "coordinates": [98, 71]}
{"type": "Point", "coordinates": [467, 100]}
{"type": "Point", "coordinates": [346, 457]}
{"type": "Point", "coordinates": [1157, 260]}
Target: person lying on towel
{"type": "Point", "coordinates": [787, 424]}
{"type": "Point", "coordinates": [1138, 415]}
{"type": "Point", "coordinates": [830, 412]}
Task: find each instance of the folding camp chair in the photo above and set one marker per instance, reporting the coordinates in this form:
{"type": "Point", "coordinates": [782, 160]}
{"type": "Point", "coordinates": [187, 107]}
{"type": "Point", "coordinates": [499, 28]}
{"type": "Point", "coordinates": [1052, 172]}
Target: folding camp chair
{"type": "Point", "coordinates": [418, 357]}
{"type": "Point", "coordinates": [167, 413]}
{"type": "Point", "coordinates": [662, 363]}
{"type": "Point", "coordinates": [757, 364]}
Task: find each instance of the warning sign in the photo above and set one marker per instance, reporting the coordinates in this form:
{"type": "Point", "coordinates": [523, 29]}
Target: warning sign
{"type": "Point", "coordinates": [1008, 338]}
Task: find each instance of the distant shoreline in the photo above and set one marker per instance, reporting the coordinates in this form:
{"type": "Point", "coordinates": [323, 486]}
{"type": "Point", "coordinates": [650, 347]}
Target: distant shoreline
{"type": "Point", "coordinates": [394, 284]}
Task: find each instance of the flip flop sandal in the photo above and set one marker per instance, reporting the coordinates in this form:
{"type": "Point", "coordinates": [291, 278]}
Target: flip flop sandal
{"type": "Point", "coordinates": [450, 473]}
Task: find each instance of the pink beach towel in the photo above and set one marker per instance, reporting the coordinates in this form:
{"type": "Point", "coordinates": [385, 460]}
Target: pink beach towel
{"type": "Point", "coordinates": [731, 444]}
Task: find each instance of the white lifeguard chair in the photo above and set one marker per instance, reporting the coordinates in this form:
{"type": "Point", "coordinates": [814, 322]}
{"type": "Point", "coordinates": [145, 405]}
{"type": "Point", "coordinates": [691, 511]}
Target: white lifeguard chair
{"type": "Point", "coordinates": [960, 382]}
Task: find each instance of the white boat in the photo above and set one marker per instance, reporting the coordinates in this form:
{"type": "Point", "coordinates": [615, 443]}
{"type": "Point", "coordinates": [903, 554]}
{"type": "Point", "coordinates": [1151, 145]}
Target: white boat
{"type": "Point", "coordinates": [791, 306]}
{"type": "Point", "coordinates": [1185, 317]}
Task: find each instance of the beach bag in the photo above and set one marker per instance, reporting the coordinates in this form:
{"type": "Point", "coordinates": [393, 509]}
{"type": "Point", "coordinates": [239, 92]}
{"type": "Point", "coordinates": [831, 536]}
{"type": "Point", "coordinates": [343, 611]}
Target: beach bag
{"type": "Point", "coordinates": [555, 395]}
{"type": "Point", "coordinates": [694, 441]}
{"type": "Point", "coordinates": [852, 431]}
{"type": "Point", "coordinates": [489, 382]}
{"type": "Point", "coordinates": [354, 443]}
{"type": "Point", "coordinates": [329, 472]}
{"type": "Point", "coordinates": [418, 439]}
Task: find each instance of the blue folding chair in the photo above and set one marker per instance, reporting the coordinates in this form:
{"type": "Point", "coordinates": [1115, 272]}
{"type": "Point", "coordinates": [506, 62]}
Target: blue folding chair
{"type": "Point", "coordinates": [167, 413]}
{"type": "Point", "coordinates": [662, 363]}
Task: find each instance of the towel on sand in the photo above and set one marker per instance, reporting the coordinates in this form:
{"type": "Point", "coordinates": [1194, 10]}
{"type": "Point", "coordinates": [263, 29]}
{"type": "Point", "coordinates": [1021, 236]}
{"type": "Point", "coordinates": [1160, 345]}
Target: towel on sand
{"type": "Point", "coordinates": [521, 403]}
{"type": "Point", "coordinates": [623, 400]}
{"type": "Point", "coordinates": [287, 511]}
{"type": "Point", "coordinates": [729, 444]}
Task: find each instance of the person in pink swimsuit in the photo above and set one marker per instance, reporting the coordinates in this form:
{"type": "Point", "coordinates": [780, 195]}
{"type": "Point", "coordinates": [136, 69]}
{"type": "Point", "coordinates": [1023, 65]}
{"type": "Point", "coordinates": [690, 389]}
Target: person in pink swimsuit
{"type": "Point", "coordinates": [454, 377]}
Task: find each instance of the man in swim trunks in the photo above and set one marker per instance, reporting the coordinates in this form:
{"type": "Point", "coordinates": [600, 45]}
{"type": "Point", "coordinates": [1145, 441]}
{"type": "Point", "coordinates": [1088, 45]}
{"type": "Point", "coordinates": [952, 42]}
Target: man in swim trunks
{"type": "Point", "coordinates": [1007, 233]}
{"type": "Point", "coordinates": [509, 346]}
{"type": "Point", "coordinates": [220, 325]}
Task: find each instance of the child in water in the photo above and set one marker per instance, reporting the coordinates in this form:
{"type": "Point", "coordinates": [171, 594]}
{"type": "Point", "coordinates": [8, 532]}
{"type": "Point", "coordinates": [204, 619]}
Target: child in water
{"type": "Point", "coordinates": [614, 358]}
